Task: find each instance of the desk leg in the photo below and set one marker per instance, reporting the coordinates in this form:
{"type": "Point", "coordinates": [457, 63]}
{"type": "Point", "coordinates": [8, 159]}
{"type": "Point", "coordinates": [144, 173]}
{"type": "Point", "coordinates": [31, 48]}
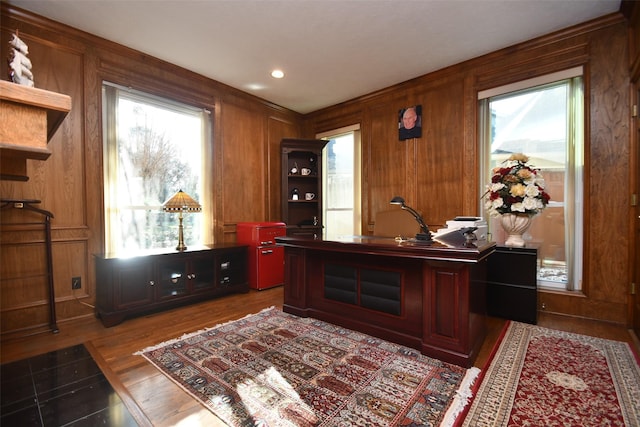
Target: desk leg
{"type": "Point", "coordinates": [451, 331]}
{"type": "Point", "coordinates": [295, 285]}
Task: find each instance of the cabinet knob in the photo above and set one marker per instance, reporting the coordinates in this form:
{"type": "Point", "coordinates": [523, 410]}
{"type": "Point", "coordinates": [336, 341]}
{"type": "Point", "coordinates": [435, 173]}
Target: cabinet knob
{"type": "Point", "coordinates": [152, 283]}
{"type": "Point", "coordinates": [267, 252]}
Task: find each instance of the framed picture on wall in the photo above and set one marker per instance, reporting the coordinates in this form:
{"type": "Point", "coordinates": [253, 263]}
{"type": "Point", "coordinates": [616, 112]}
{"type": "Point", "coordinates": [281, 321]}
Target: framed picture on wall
{"type": "Point", "coordinates": [410, 122]}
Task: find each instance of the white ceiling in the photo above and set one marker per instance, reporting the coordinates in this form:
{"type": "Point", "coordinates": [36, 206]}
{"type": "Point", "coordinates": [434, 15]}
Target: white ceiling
{"type": "Point", "coordinates": [330, 50]}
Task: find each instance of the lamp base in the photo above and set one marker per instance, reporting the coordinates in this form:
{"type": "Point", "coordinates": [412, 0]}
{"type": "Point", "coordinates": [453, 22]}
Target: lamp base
{"type": "Point", "coordinates": [423, 237]}
{"type": "Point", "coordinates": [181, 246]}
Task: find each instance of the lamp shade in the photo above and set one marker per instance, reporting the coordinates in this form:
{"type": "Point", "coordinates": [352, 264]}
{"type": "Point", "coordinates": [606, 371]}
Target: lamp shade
{"type": "Point", "coordinates": [397, 200]}
{"type": "Point", "coordinates": [426, 234]}
{"type": "Point", "coordinates": [181, 202]}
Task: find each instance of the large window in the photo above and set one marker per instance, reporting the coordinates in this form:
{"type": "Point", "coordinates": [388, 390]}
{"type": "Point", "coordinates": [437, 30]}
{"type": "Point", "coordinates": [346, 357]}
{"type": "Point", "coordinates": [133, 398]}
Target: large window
{"type": "Point", "coordinates": [544, 120]}
{"type": "Point", "coordinates": [341, 182]}
{"type": "Point", "coordinates": [153, 147]}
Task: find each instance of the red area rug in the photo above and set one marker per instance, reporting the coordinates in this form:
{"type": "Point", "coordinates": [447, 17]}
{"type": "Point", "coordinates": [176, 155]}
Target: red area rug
{"type": "Point", "coordinates": [276, 369]}
{"type": "Point", "coordinates": [543, 377]}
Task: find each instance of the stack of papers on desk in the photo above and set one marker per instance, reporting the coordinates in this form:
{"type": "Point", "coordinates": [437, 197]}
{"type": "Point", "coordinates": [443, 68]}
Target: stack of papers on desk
{"type": "Point", "coordinates": [464, 222]}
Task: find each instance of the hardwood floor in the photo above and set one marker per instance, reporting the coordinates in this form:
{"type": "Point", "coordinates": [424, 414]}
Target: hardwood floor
{"type": "Point", "coordinates": [154, 400]}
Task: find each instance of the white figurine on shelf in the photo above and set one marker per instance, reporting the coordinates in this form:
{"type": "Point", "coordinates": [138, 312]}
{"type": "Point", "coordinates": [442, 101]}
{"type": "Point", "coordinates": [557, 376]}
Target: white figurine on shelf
{"type": "Point", "coordinates": [19, 64]}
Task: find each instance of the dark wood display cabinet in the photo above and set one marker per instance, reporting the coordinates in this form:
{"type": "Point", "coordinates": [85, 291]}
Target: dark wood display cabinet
{"type": "Point", "coordinates": [127, 287]}
{"type": "Point", "coordinates": [512, 284]}
{"type": "Point", "coordinates": [302, 186]}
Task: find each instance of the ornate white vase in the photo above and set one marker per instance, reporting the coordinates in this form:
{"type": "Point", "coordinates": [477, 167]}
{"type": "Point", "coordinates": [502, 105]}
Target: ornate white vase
{"type": "Point", "coordinates": [515, 225]}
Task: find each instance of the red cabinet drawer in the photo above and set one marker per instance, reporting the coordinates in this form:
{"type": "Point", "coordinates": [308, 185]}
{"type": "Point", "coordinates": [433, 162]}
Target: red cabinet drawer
{"type": "Point", "coordinates": [259, 233]}
{"type": "Point", "coordinates": [266, 267]}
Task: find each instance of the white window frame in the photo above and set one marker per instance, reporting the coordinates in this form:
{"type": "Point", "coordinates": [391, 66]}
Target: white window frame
{"type": "Point", "coordinates": [574, 184]}
{"type": "Point", "coordinates": [357, 168]}
{"type": "Point", "coordinates": [113, 244]}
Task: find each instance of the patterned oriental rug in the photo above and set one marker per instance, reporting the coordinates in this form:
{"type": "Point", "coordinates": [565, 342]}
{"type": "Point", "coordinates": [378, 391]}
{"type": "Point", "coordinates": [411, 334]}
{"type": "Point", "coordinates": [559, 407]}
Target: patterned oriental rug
{"type": "Point", "coordinates": [276, 369]}
{"type": "Point", "coordinates": [543, 377]}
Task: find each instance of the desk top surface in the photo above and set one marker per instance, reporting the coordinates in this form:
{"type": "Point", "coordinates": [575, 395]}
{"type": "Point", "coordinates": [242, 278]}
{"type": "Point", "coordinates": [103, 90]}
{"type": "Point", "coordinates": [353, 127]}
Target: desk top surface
{"type": "Point", "coordinates": [389, 246]}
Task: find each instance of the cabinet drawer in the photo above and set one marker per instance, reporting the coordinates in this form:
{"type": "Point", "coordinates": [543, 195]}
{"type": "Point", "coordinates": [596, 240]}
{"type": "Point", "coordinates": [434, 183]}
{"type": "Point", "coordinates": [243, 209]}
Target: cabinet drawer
{"type": "Point", "coordinates": [266, 267]}
{"type": "Point", "coordinates": [514, 266]}
{"type": "Point", "coordinates": [260, 233]}
{"type": "Point", "coordinates": [231, 267]}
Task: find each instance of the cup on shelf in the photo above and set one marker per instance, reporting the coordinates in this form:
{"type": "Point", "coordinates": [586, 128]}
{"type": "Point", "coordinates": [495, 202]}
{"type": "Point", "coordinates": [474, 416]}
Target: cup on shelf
{"type": "Point", "coordinates": [309, 196]}
{"type": "Point", "coordinates": [305, 171]}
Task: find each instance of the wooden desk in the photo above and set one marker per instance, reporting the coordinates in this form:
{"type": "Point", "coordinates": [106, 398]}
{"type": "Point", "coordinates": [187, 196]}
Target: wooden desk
{"type": "Point", "coordinates": [430, 297]}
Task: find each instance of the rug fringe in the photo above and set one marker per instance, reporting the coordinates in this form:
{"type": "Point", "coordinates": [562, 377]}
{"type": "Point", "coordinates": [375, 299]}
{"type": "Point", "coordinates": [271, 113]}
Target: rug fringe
{"type": "Point", "coordinates": [191, 334]}
{"type": "Point", "coordinates": [462, 397]}
{"type": "Point", "coordinates": [474, 390]}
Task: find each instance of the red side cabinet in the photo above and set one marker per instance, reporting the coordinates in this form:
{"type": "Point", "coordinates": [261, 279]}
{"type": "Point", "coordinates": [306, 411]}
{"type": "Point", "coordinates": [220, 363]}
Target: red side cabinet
{"type": "Point", "coordinates": [266, 259]}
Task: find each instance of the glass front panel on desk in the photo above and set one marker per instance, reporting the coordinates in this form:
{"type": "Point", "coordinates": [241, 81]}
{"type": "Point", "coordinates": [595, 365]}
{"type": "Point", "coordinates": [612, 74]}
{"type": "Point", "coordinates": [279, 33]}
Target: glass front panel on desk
{"type": "Point", "coordinates": [173, 278]}
{"type": "Point", "coordinates": [202, 273]}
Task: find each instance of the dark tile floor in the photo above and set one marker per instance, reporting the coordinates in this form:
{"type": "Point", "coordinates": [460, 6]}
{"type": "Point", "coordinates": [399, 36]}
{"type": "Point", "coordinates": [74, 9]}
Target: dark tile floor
{"type": "Point", "coordinates": [61, 388]}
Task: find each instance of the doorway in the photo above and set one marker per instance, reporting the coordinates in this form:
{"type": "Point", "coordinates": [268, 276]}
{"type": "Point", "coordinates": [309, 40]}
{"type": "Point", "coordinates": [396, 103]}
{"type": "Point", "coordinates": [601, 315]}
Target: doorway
{"type": "Point", "coordinates": [341, 182]}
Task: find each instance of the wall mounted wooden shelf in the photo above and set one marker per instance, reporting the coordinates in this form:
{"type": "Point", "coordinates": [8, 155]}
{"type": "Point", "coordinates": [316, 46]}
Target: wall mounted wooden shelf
{"type": "Point", "coordinates": [29, 118]}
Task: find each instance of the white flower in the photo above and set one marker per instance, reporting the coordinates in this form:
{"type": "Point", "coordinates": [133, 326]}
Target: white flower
{"type": "Point", "coordinates": [531, 191]}
{"type": "Point", "coordinates": [493, 205]}
{"type": "Point", "coordinates": [497, 203]}
{"type": "Point", "coordinates": [496, 187]}
{"type": "Point", "coordinates": [529, 203]}
{"type": "Point", "coordinates": [518, 207]}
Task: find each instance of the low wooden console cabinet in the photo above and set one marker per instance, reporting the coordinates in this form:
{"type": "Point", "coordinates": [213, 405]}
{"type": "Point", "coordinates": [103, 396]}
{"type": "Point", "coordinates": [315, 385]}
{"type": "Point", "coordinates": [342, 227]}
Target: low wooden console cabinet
{"type": "Point", "coordinates": [127, 287]}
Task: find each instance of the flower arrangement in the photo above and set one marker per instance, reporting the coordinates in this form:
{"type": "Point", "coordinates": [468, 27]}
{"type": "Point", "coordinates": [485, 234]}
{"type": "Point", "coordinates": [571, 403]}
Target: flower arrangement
{"type": "Point", "coordinates": [516, 188]}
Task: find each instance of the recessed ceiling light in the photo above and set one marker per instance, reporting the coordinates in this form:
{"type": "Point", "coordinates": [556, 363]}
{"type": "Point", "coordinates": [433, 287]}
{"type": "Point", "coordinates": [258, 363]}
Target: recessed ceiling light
{"type": "Point", "coordinates": [254, 86]}
{"type": "Point", "coordinates": [277, 74]}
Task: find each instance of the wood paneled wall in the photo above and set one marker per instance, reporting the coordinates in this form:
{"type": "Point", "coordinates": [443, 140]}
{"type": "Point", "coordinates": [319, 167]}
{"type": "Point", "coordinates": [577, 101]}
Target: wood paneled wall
{"type": "Point", "coordinates": [437, 174]}
{"type": "Point", "coordinates": [631, 10]}
{"type": "Point", "coordinates": [245, 176]}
